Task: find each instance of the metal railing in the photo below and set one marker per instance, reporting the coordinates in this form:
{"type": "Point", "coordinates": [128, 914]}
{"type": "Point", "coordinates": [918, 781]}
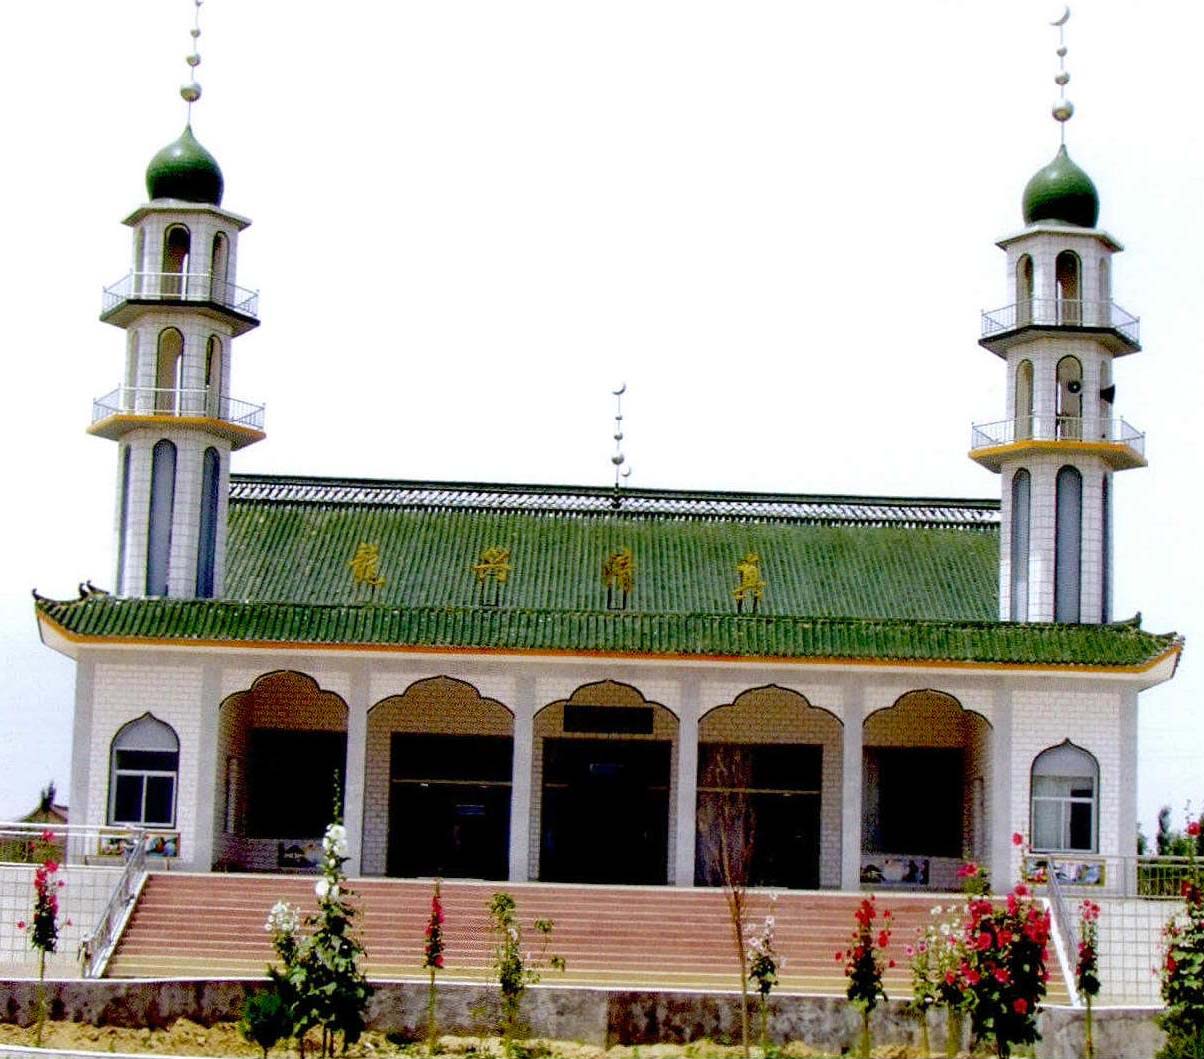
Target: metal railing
{"type": "Point", "coordinates": [152, 400]}
{"type": "Point", "coordinates": [1061, 312]}
{"type": "Point", "coordinates": [180, 286]}
{"type": "Point", "coordinates": [96, 947]}
{"type": "Point", "coordinates": [1056, 428]}
{"type": "Point", "coordinates": [1067, 933]}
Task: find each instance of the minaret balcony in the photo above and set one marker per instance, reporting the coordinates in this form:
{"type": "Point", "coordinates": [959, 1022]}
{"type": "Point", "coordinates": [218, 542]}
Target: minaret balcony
{"type": "Point", "coordinates": [138, 407]}
{"type": "Point", "coordinates": [200, 291]}
{"type": "Point", "coordinates": [1118, 443]}
{"type": "Point", "coordinates": [1118, 330]}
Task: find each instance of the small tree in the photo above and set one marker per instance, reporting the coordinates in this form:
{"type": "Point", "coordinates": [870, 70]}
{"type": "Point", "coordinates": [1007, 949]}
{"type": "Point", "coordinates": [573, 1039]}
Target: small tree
{"type": "Point", "coordinates": [865, 962]}
{"type": "Point", "coordinates": [728, 827]}
{"type": "Point", "coordinates": [514, 971]}
{"type": "Point", "coordinates": [265, 1020]}
{"type": "Point", "coordinates": [432, 959]}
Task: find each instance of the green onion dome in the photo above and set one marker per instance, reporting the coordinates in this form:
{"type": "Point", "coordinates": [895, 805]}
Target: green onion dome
{"type": "Point", "coordinates": [1063, 193]}
{"type": "Point", "coordinates": [185, 170]}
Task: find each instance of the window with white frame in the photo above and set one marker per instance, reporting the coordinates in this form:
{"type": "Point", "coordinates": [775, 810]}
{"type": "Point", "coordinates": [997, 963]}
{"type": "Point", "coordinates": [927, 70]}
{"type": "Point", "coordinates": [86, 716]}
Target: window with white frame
{"type": "Point", "coordinates": [144, 768]}
{"type": "Point", "coordinates": [1065, 800]}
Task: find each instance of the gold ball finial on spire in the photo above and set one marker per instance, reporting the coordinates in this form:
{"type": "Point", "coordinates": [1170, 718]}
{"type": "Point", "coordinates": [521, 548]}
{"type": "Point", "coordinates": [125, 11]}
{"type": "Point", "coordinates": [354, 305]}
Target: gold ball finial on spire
{"type": "Point", "coordinates": [1063, 109]}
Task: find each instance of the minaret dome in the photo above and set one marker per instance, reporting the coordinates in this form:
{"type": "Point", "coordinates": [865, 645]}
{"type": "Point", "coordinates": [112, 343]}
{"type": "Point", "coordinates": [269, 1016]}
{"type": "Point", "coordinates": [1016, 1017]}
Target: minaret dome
{"type": "Point", "coordinates": [1061, 193]}
{"type": "Point", "coordinates": [185, 171]}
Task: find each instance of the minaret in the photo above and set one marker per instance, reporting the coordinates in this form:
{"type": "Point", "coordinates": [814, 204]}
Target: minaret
{"type": "Point", "coordinates": [173, 417]}
{"type": "Point", "coordinates": [1061, 441]}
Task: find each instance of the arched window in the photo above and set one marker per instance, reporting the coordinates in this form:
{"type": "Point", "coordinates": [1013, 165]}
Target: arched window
{"type": "Point", "coordinates": [1065, 800]}
{"type": "Point", "coordinates": [1024, 290]}
{"type": "Point", "coordinates": [211, 476]}
{"type": "Point", "coordinates": [176, 246]}
{"type": "Point", "coordinates": [1068, 545]}
{"type": "Point", "coordinates": [213, 377]}
{"type": "Point", "coordinates": [139, 263]}
{"type": "Point", "coordinates": [162, 506]}
{"type": "Point", "coordinates": [145, 762]}
{"type": "Point", "coordinates": [1067, 273]}
{"type": "Point", "coordinates": [168, 365]}
{"type": "Point", "coordinates": [131, 372]}
{"type": "Point", "coordinates": [219, 265]}
{"type": "Point", "coordinates": [1070, 398]}
{"type": "Point", "coordinates": [1105, 289]}
{"type": "Point", "coordinates": [1021, 508]}
{"type": "Point", "coordinates": [123, 518]}
{"type": "Point", "coordinates": [1024, 399]}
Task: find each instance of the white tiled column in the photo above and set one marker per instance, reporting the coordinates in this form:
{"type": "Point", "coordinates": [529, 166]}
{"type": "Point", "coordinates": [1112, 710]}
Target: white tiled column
{"type": "Point", "coordinates": [687, 784]}
{"type": "Point", "coordinates": [201, 855]}
{"type": "Point", "coordinates": [1003, 871]}
{"type": "Point", "coordinates": [520, 779]}
{"type": "Point", "coordinates": [357, 756]}
{"type": "Point", "coordinates": [850, 798]}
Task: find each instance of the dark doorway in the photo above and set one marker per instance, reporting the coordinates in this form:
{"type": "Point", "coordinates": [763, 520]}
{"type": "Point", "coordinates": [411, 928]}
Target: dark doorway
{"type": "Point", "coordinates": [914, 800]}
{"type": "Point", "coordinates": [277, 809]}
{"type": "Point", "coordinates": [605, 811]}
{"type": "Point", "coordinates": [449, 806]}
{"type": "Point", "coordinates": [775, 789]}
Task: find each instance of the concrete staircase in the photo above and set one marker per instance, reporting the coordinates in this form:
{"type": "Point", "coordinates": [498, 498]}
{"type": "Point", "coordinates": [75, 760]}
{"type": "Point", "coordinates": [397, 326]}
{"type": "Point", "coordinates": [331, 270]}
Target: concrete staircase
{"type": "Point", "coordinates": [209, 926]}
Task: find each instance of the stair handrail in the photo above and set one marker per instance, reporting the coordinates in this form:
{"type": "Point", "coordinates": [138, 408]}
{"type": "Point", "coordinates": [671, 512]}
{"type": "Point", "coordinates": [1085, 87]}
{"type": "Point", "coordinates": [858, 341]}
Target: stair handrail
{"type": "Point", "coordinates": [1066, 940]}
{"type": "Point", "coordinates": [97, 947]}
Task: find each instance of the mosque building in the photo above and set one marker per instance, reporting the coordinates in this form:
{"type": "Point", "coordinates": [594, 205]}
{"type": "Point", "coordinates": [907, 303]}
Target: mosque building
{"type": "Point", "coordinates": [567, 683]}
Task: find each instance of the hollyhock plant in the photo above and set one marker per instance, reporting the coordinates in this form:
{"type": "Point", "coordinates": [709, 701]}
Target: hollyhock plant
{"type": "Point", "coordinates": [43, 927]}
{"type": "Point", "coordinates": [1182, 970]}
{"type": "Point", "coordinates": [432, 959]}
{"type": "Point", "coordinates": [865, 961]}
{"type": "Point", "coordinates": [1086, 970]}
{"type": "Point", "coordinates": [763, 964]}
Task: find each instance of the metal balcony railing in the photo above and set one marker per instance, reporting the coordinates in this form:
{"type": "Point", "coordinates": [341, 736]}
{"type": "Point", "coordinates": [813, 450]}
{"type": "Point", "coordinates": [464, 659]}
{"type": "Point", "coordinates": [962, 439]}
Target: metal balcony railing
{"type": "Point", "coordinates": [1056, 428]}
{"type": "Point", "coordinates": [180, 286]}
{"type": "Point", "coordinates": [149, 400]}
{"type": "Point", "coordinates": [1061, 312]}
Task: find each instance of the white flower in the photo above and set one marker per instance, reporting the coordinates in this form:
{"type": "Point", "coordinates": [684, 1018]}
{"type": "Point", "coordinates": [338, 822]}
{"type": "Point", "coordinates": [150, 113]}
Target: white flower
{"type": "Point", "coordinates": [283, 919]}
{"type": "Point", "coordinates": [334, 842]}
{"type": "Point", "coordinates": [325, 888]}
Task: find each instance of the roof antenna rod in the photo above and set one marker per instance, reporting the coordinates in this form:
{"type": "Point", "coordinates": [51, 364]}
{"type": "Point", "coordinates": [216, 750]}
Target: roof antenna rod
{"type": "Point", "coordinates": [618, 459]}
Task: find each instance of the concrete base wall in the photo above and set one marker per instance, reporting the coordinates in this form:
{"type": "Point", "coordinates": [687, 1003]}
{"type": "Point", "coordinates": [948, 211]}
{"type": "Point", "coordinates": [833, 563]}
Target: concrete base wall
{"type": "Point", "coordinates": [588, 1015]}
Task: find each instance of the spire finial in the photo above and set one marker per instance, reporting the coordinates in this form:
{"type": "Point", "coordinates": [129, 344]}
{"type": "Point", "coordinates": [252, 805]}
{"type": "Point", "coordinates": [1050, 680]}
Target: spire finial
{"type": "Point", "coordinates": [618, 459]}
{"type": "Point", "coordinates": [191, 92]}
{"type": "Point", "coordinates": [1063, 109]}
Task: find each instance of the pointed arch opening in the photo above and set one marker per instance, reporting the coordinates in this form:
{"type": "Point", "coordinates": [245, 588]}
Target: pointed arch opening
{"type": "Point", "coordinates": [1069, 398]}
{"type": "Point", "coordinates": [1024, 399]}
{"type": "Point", "coordinates": [213, 377]}
{"type": "Point", "coordinates": [603, 791]}
{"type": "Point", "coordinates": [1068, 545]}
{"type": "Point", "coordinates": [1024, 290]}
{"type": "Point", "coordinates": [1020, 544]}
{"type": "Point", "coordinates": [177, 246]}
{"type": "Point", "coordinates": [206, 564]}
{"type": "Point", "coordinates": [1065, 800]}
{"type": "Point", "coordinates": [219, 268]}
{"type": "Point", "coordinates": [161, 514]}
{"type": "Point", "coordinates": [769, 789]}
{"type": "Point", "coordinates": [926, 767]}
{"type": "Point", "coordinates": [439, 769]}
{"type": "Point", "coordinates": [144, 764]}
{"type": "Point", "coordinates": [1068, 279]}
{"type": "Point", "coordinates": [284, 725]}
{"type": "Point", "coordinates": [169, 361]}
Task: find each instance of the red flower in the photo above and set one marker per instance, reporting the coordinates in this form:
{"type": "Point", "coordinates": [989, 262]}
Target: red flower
{"type": "Point", "coordinates": [839, 957]}
{"type": "Point", "coordinates": [883, 938]}
{"type": "Point", "coordinates": [1017, 839]}
{"type": "Point", "coordinates": [1171, 964]}
{"type": "Point", "coordinates": [47, 836]}
{"type": "Point", "coordinates": [983, 942]}
{"type": "Point", "coordinates": [890, 963]}
{"type": "Point", "coordinates": [1193, 829]}
{"type": "Point", "coordinates": [20, 924]}
{"type": "Point", "coordinates": [1020, 1005]}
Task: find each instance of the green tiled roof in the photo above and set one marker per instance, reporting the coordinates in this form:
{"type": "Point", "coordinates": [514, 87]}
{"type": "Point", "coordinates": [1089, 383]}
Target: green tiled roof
{"type": "Point", "coordinates": [290, 541]}
{"type": "Point", "coordinates": [723, 635]}
{"type": "Point", "coordinates": [858, 578]}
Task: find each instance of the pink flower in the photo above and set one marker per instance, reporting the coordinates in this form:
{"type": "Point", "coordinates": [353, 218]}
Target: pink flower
{"type": "Point", "coordinates": [20, 924]}
{"type": "Point", "coordinates": [1017, 839]}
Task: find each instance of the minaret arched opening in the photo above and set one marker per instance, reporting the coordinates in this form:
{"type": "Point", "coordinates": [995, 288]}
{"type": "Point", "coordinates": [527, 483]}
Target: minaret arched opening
{"type": "Point", "coordinates": [219, 269]}
{"type": "Point", "coordinates": [168, 367]}
{"type": "Point", "coordinates": [1068, 273]}
{"type": "Point", "coordinates": [177, 245]}
{"type": "Point", "coordinates": [1024, 399]}
{"type": "Point", "coordinates": [1024, 290]}
{"type": "Point", "coordinates": [213, 377]}
{"type": "Point", "coordinates": [1021, 519]}
{"type": "Point", "coordinates": [206, 563]}
{"type": "Point", "coordinates": [1069, 404]}
{"type": "Point", "coordinates": [1068, 545]}
{"type": "Point", "coordinates": [162, 510]}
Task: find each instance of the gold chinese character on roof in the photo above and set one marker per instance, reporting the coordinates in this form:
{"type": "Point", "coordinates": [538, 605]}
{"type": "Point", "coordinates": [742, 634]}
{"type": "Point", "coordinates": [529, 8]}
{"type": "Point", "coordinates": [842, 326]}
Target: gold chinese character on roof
{"type": "Point", "coordinates": [364, 564]}
{"type": "Point", "coordinates": [618, 571]}
{"type": "Point", "coordinates": [752, 584]}
{"type": "Point", "coordinates": [494, 563]}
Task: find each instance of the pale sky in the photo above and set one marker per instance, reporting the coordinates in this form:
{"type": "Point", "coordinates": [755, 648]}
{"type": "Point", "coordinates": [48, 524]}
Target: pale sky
{"type": "Point", "coordinates": [774, 220]}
